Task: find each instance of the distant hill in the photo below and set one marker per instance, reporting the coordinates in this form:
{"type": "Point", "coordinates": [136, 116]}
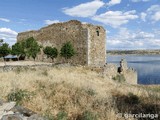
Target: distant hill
{"type": "Point", "coordinates": [139, 52]}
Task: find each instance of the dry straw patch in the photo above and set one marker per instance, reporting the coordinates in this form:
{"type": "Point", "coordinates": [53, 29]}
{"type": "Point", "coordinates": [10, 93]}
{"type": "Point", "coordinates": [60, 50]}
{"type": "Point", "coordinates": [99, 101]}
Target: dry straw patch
{"type": "Point", "coordinates": [74, 90]}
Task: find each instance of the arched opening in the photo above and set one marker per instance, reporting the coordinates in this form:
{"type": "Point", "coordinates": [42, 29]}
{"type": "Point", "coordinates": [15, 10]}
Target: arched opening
{"type": "Point", "coordinates": [97, 33]}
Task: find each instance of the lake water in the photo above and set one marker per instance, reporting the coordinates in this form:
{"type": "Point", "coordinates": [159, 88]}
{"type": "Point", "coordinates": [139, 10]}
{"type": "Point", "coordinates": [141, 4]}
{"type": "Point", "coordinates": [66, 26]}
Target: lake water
{"type": "Point", "coordinates": [147, 66]}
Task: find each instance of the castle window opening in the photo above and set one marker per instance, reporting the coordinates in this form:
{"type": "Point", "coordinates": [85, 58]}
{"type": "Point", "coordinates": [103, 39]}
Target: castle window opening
{"type": "Point", "coordinates": [97, 33]}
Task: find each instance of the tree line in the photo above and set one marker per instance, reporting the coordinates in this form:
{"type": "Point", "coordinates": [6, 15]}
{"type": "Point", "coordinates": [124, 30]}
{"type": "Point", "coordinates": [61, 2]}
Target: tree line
{"type": "Point", "coordinates": [30, 48]}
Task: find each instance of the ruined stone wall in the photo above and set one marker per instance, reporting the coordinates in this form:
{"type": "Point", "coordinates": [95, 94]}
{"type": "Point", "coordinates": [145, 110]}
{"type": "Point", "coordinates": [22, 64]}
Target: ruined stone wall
{"type": "Point", "coordinates": [131, 76]}
{"type": "Point", "coordinates": [129, 73]}
{"type": "Point", "coordinates": [57, 34]}
{"type": "Point", "coordinates": [110, 70]}
{"type": "Point", "coordinates": [90, 48]}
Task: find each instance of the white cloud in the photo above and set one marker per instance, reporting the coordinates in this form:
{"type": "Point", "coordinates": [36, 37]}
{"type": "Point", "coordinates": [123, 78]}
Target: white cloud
{"type": "Point", "coordinates": [143, 16]}
{"type": "Point", "coordinates": [115, 18]}
{"type": "Point", "coordinates": [140, 0]}
{"type": "Point", "coordinates": [8, 31]}
{"type": "Point", "coordinates": [48, 22]}
{"type": "Point", "coordinates": [126, 39]}
{"type": "Point", "coordinates": [8, 35]}
{"type": "Point", "coordinates": [4, 20]}
{"type": "Point", "coordinates": [143, 35]}
{"type": "Point", "coordinates": [85, 9]}
{"type": "Point", "coordinates": [113, 2]}
{"type": "Point", "coordinates": [153, 8]}
{"type": "Point", "coordinates": [154, 13]}
{"type": "Point", "coordinates": [156, 16]}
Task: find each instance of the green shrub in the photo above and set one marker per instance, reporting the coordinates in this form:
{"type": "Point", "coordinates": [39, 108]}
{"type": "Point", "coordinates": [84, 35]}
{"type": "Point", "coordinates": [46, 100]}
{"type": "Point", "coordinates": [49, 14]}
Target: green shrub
{"type": "Point", "coordinates": [45, 73]}
{"type": "Point", "coordinates": [26, 68]}
{"type": "Point", "coordinates": [32, 48]}
{"type": "Point", "coordinates": [41, 85]}
{"type": "Point", "coordinates": [132, 99]}
{"type": "Point", "coordinates": [18, 70]}
{"type": "Point", "coordinates": [67, 50]}
{"type": "Point", "coordinates": [87, 115]}
{"type": "Point", "coordinates": [51, 52]}
{"type": "Point", "coordinates": [62, 115]}
{"type": "Point", "coordinates": [18, 96]}
{"type": "Point", "coordinates": [48, 116]}
{"type": "Point", "coordinates": [90, 92]}
{"type": "Point", "coordinates": [119, 78]}
{"type": "Point", "coordinates": [21, 69]}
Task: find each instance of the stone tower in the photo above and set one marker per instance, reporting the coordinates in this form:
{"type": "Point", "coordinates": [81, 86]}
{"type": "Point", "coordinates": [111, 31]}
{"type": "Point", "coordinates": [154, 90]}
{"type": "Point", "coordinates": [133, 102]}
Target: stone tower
{"type": "Point", "coordinates": [88, 40]}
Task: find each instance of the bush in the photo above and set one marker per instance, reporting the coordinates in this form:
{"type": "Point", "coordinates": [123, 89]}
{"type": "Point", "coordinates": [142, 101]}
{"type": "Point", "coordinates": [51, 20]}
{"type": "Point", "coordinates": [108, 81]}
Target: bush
{"type": "Point", "coordinates": [62, 115]}
{"type": "Point", "coordinates": [4, 50]}
{"type": "Point", "coordinates": [18, 70]}
{"type": "Point", "coordinates": [21, 69]}
{"type": "Point", "coordinates": [31, 47]}
{"type": "Point", "coordinates": [51, 52]}
{"type": "Point", "coordinates": [18, 96]}
{"type": "Point", "coordinates": [48, 116]}
{"type": "Point", "coordinates": [18, 49]}
{"type": "Point", "coordinates": [45, 73]}
{"type": "Point", "coordinates": [67, 50]}
{"type": "Point", "coordinates": [91, 92]}
{"type": "Point", "coordinates": [132, 99]}
{"type": "Point", "coordinates": [87, 115]}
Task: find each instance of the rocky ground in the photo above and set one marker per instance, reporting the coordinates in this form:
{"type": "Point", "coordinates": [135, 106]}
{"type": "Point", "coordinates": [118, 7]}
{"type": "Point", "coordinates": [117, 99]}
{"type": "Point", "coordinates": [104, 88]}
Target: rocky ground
{"type": "Point", "coordinates": [9, 111]}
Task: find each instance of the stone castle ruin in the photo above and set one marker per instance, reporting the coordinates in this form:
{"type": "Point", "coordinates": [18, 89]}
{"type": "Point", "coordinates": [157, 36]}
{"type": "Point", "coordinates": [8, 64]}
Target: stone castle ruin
{"type": "Point", "coordinates": [89, 41]}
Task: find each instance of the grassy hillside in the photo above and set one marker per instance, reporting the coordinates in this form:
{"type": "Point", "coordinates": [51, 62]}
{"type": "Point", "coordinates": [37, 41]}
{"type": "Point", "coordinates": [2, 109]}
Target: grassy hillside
{"type": "Point", "coordinates": [76, 93]}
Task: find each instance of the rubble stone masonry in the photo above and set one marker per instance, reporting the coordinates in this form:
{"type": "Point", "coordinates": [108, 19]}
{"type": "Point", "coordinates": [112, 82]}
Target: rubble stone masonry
{"type": "Point", "coordinates": [88, 40]}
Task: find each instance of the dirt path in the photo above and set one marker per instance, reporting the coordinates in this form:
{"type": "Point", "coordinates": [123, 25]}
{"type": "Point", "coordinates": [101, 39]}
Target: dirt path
{"type": "Point", "coordinates": [23, 63]}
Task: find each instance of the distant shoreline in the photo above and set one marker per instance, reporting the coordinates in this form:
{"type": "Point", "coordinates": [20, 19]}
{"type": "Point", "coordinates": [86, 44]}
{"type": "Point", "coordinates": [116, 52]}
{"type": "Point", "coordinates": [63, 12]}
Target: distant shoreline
{"type": "Point", "coordinates": [133, 52]}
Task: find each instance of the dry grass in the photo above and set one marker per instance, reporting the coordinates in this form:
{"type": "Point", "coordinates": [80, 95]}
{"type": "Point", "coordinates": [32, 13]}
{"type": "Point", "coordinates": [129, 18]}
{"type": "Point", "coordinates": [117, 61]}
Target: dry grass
{"type": "Point", "coordinates": [74, 90]}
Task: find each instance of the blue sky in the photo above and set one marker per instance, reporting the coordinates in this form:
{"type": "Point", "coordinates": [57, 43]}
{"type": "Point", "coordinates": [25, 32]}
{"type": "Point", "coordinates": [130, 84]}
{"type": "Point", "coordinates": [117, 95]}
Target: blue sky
{"type": "Point", "coordinates": [130, 24]}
